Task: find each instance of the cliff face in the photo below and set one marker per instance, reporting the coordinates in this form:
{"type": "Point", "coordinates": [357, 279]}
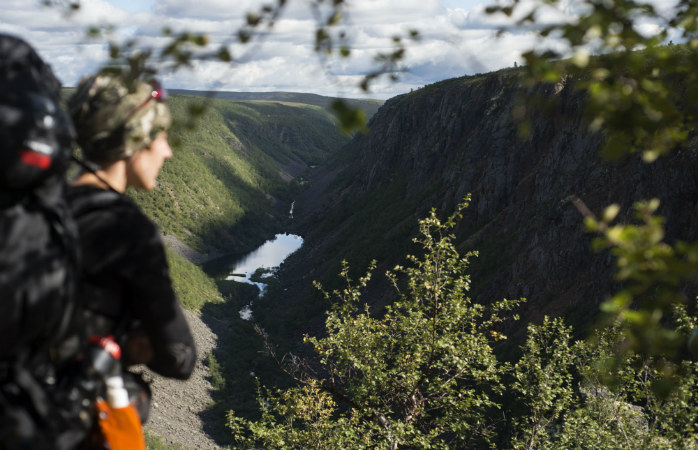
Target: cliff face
{"type": "Point", "coordinates": [432, 147]}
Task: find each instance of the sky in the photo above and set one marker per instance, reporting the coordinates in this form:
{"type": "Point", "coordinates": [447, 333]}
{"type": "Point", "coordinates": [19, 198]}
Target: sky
{"type": "Point", "coordinates": [456, 38]}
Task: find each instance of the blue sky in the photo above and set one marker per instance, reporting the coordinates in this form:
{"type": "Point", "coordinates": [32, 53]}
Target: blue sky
{"type": "Point", "coordinates": [133, 5]}
{"type": "Point", "coordinates": [457, 38]}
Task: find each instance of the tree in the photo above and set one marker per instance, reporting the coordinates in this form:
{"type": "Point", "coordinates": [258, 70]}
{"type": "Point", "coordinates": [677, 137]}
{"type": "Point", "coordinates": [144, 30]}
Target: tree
{"type": "Point", "coordinates": [543, 382]}
{"type": "Point", "coordinates": [421, 375]}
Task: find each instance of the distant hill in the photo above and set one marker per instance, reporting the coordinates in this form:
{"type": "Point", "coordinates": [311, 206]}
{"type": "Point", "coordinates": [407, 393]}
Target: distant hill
{"type": "Point", "coordinates": [370, 106]}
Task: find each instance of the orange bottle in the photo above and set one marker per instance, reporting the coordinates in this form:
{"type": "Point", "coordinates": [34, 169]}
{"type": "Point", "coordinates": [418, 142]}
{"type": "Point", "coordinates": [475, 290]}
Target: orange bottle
{"type": "Point", "coordinates": [121, 426]}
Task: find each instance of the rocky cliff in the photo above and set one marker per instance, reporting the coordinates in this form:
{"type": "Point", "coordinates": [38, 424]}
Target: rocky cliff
{"type": "Point", "coordinates": [431, 147]}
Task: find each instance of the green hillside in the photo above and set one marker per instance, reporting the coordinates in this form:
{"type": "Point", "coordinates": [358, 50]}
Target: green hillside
{"type": "Point", "coordinates": [369, 106]}
{"type": "Point", "coordinates": [231, 178]}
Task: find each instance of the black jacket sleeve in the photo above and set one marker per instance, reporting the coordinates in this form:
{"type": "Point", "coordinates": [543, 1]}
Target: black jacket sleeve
{"type": "Point", "coordinates": [152, 300]}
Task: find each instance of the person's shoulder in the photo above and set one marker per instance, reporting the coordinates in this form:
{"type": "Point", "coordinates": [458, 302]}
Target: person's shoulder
{"type": "Point", "coordinates": [89, 201]}
{"type": "Point", "coordinates": [86, 197]}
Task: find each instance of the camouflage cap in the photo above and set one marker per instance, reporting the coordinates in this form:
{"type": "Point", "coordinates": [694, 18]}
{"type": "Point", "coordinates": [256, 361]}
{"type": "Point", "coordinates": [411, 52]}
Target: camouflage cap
{"type": "Point", "coordinates": [115, 120]}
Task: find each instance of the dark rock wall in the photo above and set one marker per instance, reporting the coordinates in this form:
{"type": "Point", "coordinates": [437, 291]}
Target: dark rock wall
{"type": "Point", "coordinates": [458, 137]}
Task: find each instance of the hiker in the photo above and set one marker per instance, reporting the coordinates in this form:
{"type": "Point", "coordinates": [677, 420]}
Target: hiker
{"type": "Point", "coordinates": [125, 284]}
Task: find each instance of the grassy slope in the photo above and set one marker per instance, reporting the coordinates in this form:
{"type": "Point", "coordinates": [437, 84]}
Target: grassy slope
{"type": "Point", "coordinates": [193, 287]}
{"type": "Point", "coordinates": [227, 171]}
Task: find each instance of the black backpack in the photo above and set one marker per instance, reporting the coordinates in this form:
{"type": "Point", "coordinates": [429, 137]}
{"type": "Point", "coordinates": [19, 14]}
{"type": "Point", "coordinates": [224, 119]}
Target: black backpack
{"type": "Point", "coordinates": [38, 258]}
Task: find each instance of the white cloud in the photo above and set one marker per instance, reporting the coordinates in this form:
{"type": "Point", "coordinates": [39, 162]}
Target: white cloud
{"type": "Point", "coordinates": [285, 59]}
{"type": "Point", "coordinates": [205, 9]}
{"type": "Point", "coordinates": [456, 38]}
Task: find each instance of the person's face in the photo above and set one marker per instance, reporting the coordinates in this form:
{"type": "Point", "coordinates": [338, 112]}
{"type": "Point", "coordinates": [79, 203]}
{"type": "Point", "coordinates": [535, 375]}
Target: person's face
{"type": "Point", "coordinates": [144, 166]}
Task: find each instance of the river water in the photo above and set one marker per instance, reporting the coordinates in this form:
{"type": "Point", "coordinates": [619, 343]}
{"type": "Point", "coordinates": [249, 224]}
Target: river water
{"type": "Point", "coordinates": [269, 256]}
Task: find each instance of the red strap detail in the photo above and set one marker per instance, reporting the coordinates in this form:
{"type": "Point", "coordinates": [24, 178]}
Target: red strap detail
{"type": "Point", "coordinates": [35, 159]}
{"type": "Point", "coordinates": [107, 343]}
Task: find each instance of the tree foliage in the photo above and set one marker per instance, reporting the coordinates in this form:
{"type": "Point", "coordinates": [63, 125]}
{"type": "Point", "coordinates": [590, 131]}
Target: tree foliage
{"type": "Point", "coordinates": [653, 275]}
{"type": "Point", "coordinates": [425, 373]}
{"type": "Point", "coordinates": [547, 351]}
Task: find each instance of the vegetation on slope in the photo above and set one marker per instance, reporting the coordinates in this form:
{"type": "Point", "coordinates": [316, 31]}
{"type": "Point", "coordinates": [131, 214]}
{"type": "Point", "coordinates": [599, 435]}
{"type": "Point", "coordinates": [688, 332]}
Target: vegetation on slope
{"type": "Point", "coordinates": [369, 106]}
{"type": "Point", "coordinates": [193, 286]}
{"type": "Point", "coordinates": [228, 184]}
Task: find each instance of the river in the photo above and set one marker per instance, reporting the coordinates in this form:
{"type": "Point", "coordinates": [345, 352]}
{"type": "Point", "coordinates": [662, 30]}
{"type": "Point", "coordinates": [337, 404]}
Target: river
{"type": "Point", "coordinates": [268, 256]}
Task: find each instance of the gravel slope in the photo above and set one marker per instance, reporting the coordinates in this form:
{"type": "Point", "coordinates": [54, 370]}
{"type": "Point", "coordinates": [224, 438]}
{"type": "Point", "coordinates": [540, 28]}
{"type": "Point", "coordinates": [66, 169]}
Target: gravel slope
{"type": "Point", "coordinates": [176, 410]}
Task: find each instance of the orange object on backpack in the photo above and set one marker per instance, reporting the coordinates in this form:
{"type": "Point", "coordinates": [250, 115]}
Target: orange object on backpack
{"type": "Point", "coordinates": [121, 427]}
